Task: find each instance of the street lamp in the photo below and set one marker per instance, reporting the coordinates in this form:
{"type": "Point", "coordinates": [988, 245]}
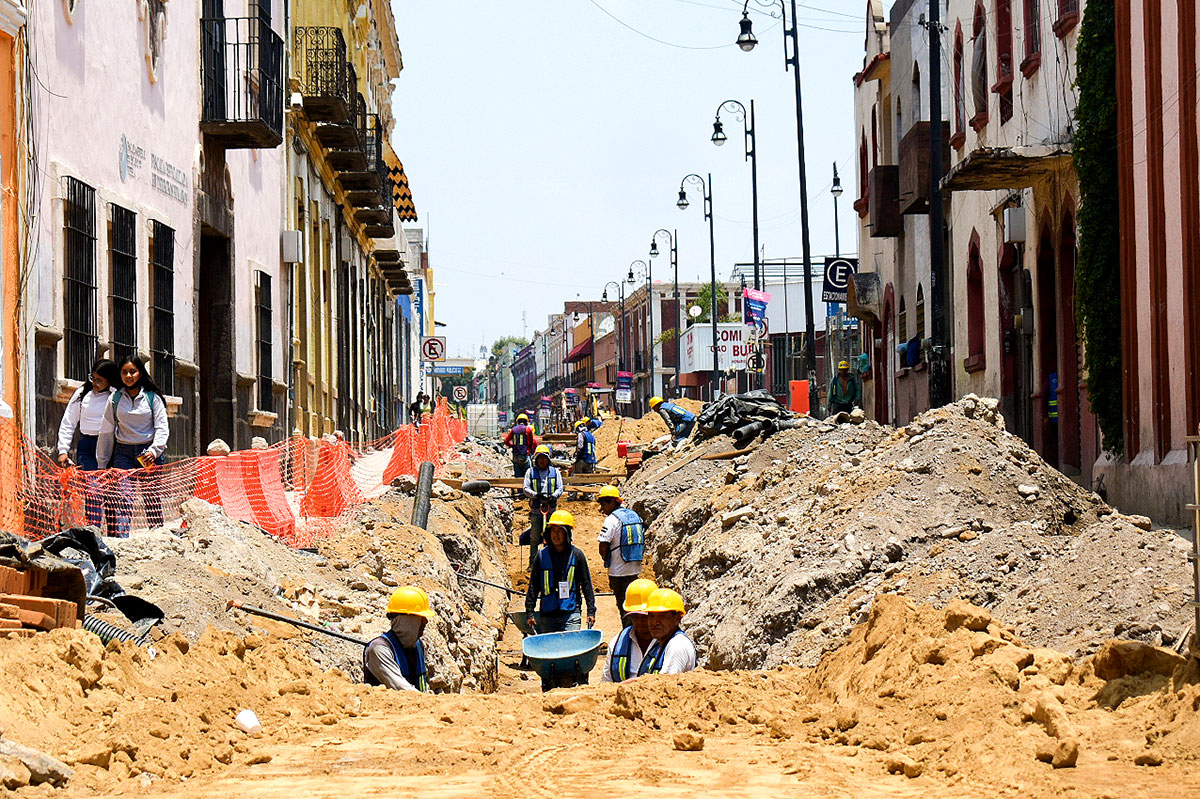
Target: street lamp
{"type": "Point", "coordinates": [791, 59]}
{"type": "Point", "coordinates": [672, 238]}
{"type": "Point", "coordinates": [682, 204]}
{"type": "Point", "coordinates": [836, 191]}
{"type": "Point", "coordinates": [621, 334]}
{"type": "Point", "coordinates": [649, 274]}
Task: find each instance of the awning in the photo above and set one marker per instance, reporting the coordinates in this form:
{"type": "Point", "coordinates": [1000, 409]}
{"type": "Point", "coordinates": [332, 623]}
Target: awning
{"type": "Point", "coordinates": [406, 210]}
{"type": "Point", "coordinates": [580, 352]}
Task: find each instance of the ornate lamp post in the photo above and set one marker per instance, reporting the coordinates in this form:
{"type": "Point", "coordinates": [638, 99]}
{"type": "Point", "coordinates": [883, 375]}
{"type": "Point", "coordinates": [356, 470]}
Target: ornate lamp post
{"type": "Point", "coordinates": [673, 240]}
{"type": "Point", "coordinates": [682, 204]}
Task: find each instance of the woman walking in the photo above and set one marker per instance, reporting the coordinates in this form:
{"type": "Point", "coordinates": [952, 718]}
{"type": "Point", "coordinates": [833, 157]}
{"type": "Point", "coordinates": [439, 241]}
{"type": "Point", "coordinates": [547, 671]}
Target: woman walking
{"type": "Point", "coordinates": [138, 437]}
{"type": "Point", "coordinates": [87, 414]}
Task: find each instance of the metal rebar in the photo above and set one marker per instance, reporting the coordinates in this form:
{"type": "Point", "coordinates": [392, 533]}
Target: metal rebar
{"type": "Point", "coordinates": [266, 614]}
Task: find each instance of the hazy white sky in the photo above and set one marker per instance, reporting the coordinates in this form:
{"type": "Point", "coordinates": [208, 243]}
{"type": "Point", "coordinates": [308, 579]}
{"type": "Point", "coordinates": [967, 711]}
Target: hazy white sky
{"type": "Point", "coordinates": [545, 142]}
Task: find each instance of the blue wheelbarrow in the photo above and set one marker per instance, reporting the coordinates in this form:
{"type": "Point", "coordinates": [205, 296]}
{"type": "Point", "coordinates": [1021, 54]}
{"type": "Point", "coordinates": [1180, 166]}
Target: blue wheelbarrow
{"type": "Point", "coordinates": [563, 659]}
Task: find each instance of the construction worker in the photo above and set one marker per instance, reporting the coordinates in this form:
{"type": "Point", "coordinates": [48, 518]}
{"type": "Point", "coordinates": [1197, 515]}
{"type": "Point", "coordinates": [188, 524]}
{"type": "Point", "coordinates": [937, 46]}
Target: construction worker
{"type": "Point", "coordinates": [522, 441]}
{"type": "Point", "coordinates": [626, 650]}
{"type": "Point", "coordinates": [396, 659]}
{"type": "Point", "coordinates": [845, 391]}
{"type": "Point", "coordinates": [594, 423]}
{"type": "Point", "coordinates": [679, 420]}
{"type": "Point", "coordinates": [544, 484]}
{"type": "Point", "coordinates": [672, 651]}
{"type": "Point", "coordinates": [622, 544]}
{"type": "Point", "coordinates": [585, 449]}
{"type": "Point", "coordinates": [560, 576]}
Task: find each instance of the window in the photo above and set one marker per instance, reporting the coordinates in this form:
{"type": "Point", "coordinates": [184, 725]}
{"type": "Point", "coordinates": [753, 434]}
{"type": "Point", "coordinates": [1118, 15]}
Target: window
{"type": "Point", "coordinates": [1033, 37]}
{"type": "Point", "coordinates": [162, 306]}
{"type": "Point", "coordinates": [960, 92]}
{"type": "Point", "coordinates": [79, 278]}
{"type": "Point", "coordinates": [122, 298]}
{"type": "Point", "coordinates": [262, 306]}
{"type": "Point", "coordinates": [979, 69]}
{"type": "Point", "coordinates": [903, 321]}
{"type": "Point", "coordinates": [1068, 17]}
{"type": "Point", "coordinates": [920, 310]}
{"type": "Point", "coordinates": [153, 13]}
{"type": "Point", "coordinates": [915, 106]}
{"type": "Point", "coordinates": [975, 322]}
{"type": "Point", "coordinates": [1004, 59]}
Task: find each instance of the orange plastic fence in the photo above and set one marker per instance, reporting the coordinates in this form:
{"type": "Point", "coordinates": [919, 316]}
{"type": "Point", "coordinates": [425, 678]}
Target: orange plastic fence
{"type": "Point", "coordinates": [296, 490]}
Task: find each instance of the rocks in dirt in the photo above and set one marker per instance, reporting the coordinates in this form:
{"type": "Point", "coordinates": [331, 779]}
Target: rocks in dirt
{"type": "Point", "coordinates": [13, 773]}
{"type": "Point", "coordinates": [405, 483]}
{"type": "Point", "coordinates": [1122, 658]}
{"type": "Point", "coordinates": [41, 767]}
{"type": "Point", "coordinates": [1149, 758]}
{"type": "Point", "coordinates": [1066, 754]}
{"type": "Point", "coordinates": [955, 506]}
{"type": "Point", "coordinates": [688, 741]}
{"type": "Point", "coordinates": [903, 764]}
{"type": "Point", "coordinates": [963, 614]}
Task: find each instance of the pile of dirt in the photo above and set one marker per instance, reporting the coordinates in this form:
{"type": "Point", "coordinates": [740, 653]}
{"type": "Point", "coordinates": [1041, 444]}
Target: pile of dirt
{"type": "Point", "coordinates": [781, 552]}
{"type": "Point", "coordinates": [949, 698]}
{"type": "Point", "coordinates": [195, 572]}
{"type": "Point", "coordinates": [638, 431]}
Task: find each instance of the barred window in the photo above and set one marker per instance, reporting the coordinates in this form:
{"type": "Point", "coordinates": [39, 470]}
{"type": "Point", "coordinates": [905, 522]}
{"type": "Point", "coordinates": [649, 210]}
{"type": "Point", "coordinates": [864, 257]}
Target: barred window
{"type": "Point", "coordinates": [262, 305]}
{"type": "Point", "coordinates": [162, 307]}
{"type": "Point", "coordinates": [122, 298]}
{"type": "Point", "coordinates": [79, 278]}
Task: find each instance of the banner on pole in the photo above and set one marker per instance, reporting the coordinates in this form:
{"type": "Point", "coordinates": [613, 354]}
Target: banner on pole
{"type": "Point", "coordinates": [755, 305]}
{"type": "Point", "coordinates": [624, 387]}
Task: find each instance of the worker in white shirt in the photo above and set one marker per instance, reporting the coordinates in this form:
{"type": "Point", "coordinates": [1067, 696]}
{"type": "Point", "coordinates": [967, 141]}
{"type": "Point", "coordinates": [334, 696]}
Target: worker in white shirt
{"type": "Point", "coordinates": [138, 413]}
{"type": "Point", "coordinates": [625, 652]}
{"type": "Point", "coordinates": [622, 542]}
{"type": "Point", "coordinates": [672, 651]}
{"type": "Point", "coordinates": [86, 413]}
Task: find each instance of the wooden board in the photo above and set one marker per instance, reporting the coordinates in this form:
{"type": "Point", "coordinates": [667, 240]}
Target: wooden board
{"type": "Point", "coordinates": [724, 456]}
{"type": "Point", "coordinates": [695, 456]}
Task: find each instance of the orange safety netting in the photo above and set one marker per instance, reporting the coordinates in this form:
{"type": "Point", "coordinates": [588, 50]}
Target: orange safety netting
{"type": "Point", "coordinates": [296, 490]}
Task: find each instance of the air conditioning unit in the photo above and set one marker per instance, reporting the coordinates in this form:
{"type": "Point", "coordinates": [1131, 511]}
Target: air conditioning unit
{"type": "Point", "coordinates": [1014, 224]}
{"type": "Point", "coordinates": [290, 245]}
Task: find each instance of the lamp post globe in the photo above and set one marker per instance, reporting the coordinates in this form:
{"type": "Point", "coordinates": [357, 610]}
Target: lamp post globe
{"type": "Point", "coordinates": [682, 203]}
{"type": "Point", "coordinates": [653, 248]}
{"type": "Point", "coordinates": [746, 39]}
{"type": "Point", "coordinates": [718, 137]}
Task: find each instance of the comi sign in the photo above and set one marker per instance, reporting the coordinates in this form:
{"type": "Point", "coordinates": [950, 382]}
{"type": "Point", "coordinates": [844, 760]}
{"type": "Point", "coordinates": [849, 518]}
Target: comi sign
{"type": "Point", "coordinates": [838, 273]}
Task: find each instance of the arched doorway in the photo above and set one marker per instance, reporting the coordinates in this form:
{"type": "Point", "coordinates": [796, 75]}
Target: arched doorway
{"type": "Point", "coordinates": [1068, 384]}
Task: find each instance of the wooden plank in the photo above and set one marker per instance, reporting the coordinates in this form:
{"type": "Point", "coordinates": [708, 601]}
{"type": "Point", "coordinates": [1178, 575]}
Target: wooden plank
{"type": "Point", "coordinates": [695, 456]}
{"type": "Point", "coordinates": [724, 456]}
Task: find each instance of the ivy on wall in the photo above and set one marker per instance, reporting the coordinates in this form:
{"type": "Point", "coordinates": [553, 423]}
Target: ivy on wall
{"type": "Point", "coordinates": [1098, 272]}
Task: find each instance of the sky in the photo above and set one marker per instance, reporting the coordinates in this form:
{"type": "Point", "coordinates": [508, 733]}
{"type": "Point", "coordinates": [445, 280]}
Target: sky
{"type": "Point", "coordinates": [545, 143]}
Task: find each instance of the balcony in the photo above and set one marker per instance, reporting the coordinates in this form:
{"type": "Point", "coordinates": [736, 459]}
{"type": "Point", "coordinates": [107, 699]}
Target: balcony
{"type": "Point", "coordinates": [914, 167]}
{"type": "Point", "coordinates": [242, 78]}
{"type": "Point", "coordinates": [991, 168]}
{"type": "Point", "coordinates": [347, 134]}
{"type": "Point", "coordinates": [364, 183]}
{"type": "Point", "coordinates": [885, 202]}
{"type": "Point", "coordinates": [379, 220]}
{"type": "Point", "coordinates": [320, 59]}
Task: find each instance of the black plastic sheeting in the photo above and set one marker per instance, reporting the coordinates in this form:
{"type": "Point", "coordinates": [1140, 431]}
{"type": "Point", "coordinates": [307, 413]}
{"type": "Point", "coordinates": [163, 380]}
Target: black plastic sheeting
{"type": "Point", "coordinates": [744, 417]}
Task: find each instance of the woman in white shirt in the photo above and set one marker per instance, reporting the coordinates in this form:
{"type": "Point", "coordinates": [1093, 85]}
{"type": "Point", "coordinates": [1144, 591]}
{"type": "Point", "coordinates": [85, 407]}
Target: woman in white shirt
{"type": "Point", "coordinates": [87, 414]}
{"type": "Point", "coordinates": [138, 437]}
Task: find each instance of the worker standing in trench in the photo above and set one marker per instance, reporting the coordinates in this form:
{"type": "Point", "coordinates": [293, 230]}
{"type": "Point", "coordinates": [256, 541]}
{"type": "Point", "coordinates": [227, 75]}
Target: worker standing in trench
{"type": "Point", "coordinates": [622, 545]}
{"type": "Point", "coordinates": [561, 578]}
{"type": "Point", "coordinates": [626, 651]}
{"type": "Point", "coordinates": [679, 421]}
{"type": "Point", "coordinates": [544, 484]}
{"type": "Point", "coordinates": [396, 659]}
{"type": "Point", "coordinates": [672, 651]}
{"type": "Point", "coordinates": [522, 441]}
{"type": "Point", "coordinates": [585, 449]}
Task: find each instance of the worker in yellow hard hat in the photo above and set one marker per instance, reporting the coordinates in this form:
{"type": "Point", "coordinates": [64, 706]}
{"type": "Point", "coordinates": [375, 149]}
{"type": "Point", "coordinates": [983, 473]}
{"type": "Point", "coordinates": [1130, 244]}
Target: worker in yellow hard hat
{"type": "Point", "coordinates": [845, 390]}
{"type": "Point", "coordinates": [544, 484]}
{"type": "Point", "coordinates": [622, 543]}
{"type": "Point", "coordinates": [679, 420]}
{"type": "Point", "coordinates": [672, 651]}
{"type": "Point", "coordinates": [523, 442]}
{"type": "Point", "coordinates": [396, 659]}
{"type": "Point", "coordinates": [561, 579]}
{"type": "Point", "coordinates": [625, 652]}
{"type": "Point", "coordinates": [585, 449]}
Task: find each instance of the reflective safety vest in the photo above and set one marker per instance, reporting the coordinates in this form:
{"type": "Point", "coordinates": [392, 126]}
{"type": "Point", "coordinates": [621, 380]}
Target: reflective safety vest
{"type": "Point", "coordinates": [589, 447]}
{"type": "Point", "coordinates": [520, 440]}
{"type": "Point", "coordinates": [410, 661]}
{"type": "Point", "coordinates": [622, 650]}
{"type": "Point", "coordinates": [676, 414]}
{"type": "Point", "coordinates": [551, 603]}
{"type": "Point", "coordinates": [652, 661]}
{"type": "Point", "coordinates": [633, 535]}
{"type": "Point", "coordinates": [544, 482]}
{"type": "Point", "coordinates": [1052, 403]}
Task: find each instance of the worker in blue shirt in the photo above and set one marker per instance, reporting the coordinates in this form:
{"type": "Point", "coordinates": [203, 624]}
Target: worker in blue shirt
{"type": "Point", "coordinates": [678, 420]}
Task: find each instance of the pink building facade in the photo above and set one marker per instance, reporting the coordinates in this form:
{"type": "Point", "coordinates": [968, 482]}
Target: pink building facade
{"type": "Point", "coordinates": [1158, 58]}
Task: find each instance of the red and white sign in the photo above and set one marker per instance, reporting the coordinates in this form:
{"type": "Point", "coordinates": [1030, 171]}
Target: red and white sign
{"type": "Point", "coordinates": [734, 346]}
{"type": "Point", "coordinates": [433, 348]}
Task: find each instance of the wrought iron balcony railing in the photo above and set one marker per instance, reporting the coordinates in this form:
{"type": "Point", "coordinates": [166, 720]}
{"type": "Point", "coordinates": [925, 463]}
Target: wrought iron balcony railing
{"type": "Point", "coordinates": [326, 79]}
{"type": "Point", "coordinates": [242, 66]}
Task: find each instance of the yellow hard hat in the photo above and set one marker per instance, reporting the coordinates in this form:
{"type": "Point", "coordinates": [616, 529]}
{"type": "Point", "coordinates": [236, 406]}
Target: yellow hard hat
{"type": "Point", "coordinates": [580, 424]}
{"type": "Point", "coordinates": [561, 517]}
{"type": "Point", "coordinates": [522, 417]}
{"type": "Point", "coordinates": [637, 594]}
{"type": "Point", "coordinates": [543, 449]}
{"type": "Point", "coordinates": [664, 600]}
{"type": "Point", "coordinates": [655, 402]}
{"type": "Point", "coordinates": [411, 600]}
{"type": "Point", "coordinates": [609, 492]}
{"type": "Point", "coordinates": [843, 365]}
